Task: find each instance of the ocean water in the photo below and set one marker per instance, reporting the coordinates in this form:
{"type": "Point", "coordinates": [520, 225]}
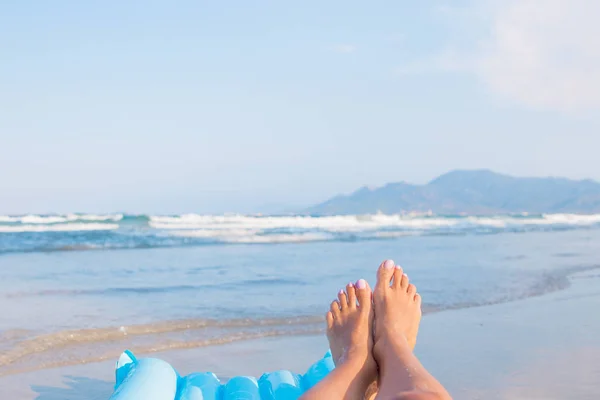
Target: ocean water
{"type": "Point", "coordinates": [79, 288]}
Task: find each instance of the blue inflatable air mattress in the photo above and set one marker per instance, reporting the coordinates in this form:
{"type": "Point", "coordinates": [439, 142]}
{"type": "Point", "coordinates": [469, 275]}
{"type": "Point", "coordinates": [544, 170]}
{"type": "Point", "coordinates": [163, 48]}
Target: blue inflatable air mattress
{"type": "Point", "coordinates": [154, 379]}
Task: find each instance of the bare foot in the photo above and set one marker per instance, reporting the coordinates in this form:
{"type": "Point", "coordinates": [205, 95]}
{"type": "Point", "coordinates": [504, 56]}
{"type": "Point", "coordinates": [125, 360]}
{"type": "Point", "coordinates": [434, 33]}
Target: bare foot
{"type": "Point", "coordinates": [349, 327]}
{"type": "Point", "coordinates": [397, 316]}
{"type": "Point", "coordinates": [397, 309]}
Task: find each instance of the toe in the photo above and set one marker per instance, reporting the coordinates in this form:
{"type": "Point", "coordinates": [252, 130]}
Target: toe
{"type": "Point", "coordinates": [335, 309]}
{"type": "Point", "coordinates": [397, 277]}
{"type": "Point", "coordinates": [351, 295]}
{"type": "Point", "coordinates": [412, 289]}
{"type": "Point", "coordinates": [329, 319]}
{"type": "Point", "coordinates": [343, 300]}
{"type": "Point", "coordinates": [417, 299]}
{"type": "Point", "coordinates": [363, 293]}
{"type": "Point", "coordinates": [384, 275]}
{"type": "Point", "coordinates": [404, 282]}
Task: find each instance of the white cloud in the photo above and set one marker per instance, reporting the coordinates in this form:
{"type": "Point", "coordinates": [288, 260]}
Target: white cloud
{"type": "Point", "coordinates": [345, 48]}
{"type": "Point", "coordinates": [544, 54]}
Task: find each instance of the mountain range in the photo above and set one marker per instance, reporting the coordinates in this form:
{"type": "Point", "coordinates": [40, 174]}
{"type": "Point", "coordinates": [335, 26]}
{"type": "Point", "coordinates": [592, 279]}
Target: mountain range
{"type": "Point", "coordinates": [476, 192]}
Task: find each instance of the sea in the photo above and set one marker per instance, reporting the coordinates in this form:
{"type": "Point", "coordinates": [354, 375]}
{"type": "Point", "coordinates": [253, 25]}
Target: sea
{"type": "Point", "coordinates": [80, 288]}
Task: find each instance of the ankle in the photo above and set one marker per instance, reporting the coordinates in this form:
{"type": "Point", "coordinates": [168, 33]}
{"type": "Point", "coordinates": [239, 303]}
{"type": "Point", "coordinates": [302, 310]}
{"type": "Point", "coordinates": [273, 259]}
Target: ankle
{"type": "Point", "coordinates": [361, 366]}
{"type": "Point", "coordinates": [388, 345]}
{"type": "Point", "coordinates": [355, 356]}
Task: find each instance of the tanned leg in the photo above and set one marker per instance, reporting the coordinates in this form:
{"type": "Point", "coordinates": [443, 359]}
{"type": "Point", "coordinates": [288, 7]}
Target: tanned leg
{"type": "Point", "coordinates": [397, 317]}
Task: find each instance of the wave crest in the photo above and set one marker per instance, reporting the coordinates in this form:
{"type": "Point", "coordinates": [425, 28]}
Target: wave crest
{"type": "Point", "coordinates": [118, 231]}
{"type": "Point", "coordinates": [57, 228]}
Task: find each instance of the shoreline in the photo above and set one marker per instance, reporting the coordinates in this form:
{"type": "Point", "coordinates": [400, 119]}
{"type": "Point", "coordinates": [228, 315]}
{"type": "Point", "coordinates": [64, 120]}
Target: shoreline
{"type": "Point", "coordinates": [502, 351]}
{"type": "Point", "coordinates": [111, 341]}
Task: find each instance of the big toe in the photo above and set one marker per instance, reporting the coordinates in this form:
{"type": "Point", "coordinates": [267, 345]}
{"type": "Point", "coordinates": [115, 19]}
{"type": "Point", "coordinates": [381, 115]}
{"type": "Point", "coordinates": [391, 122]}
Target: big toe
{"type": "Point", "coordinates": [363, 293]}
{"type": "Point", "coordinates": [385, 274]}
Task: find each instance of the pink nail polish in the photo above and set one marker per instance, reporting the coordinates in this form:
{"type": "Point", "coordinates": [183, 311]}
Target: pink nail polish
{"type": "Point", "coordinates": [361, 284]}
{"type": "Point", "coordinates": [389, 264]}
{"type": "Point", "coordinates": [405, 274]}
{"type": "Point", "coordinates": [341, 292]}
{"type": "Point", "coordinates": [351, 284]}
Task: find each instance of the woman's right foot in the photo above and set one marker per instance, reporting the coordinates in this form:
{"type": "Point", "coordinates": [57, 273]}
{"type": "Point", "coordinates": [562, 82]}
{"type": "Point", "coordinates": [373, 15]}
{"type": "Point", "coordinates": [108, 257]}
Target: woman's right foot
{"type": "Point", "coordinates": [397, 317]}
{"type": "Point", "coordinates": [397, 310]}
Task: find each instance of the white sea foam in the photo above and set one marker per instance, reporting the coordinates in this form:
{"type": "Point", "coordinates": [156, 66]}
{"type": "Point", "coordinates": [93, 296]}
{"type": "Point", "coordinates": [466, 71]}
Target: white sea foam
{"type": "Point", "coordinates": [242, 237]}
{"type": "Point", "coordinates": [215, 233]}
{"type": "Point", "coordinates": [58, 227]}
{"type": "Point", "coordinates": [39, 219]}
{"type": "Point", "coordinates": [269, 229]}
{"type": "Point", "coordinates": [339, 223]}
{"type": "Point", "coordinates": [545, 219]}
{"type": "Point", "coordinates": [266, 229]}
{"type": "Point", "coordinates": [57, 219]}
{"type": "Point", "coordinates": [573, 219]}
{"type": "Point", "coordinates": [95, 217]}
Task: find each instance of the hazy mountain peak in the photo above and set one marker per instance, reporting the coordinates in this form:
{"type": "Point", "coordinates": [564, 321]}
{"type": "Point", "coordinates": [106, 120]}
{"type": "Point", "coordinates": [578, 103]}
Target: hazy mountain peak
{"type": "Point", "coordinates": [471, 191]}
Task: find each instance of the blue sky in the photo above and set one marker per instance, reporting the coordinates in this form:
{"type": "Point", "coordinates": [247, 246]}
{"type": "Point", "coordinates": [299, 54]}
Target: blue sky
{"type": "Point", "coordinates": [193, 106]}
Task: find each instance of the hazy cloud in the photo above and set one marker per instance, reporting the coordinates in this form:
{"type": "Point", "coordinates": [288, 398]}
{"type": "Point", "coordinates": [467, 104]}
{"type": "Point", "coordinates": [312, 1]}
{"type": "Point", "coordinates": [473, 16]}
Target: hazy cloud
{"type": "Point", "coordinates": [544, 55]}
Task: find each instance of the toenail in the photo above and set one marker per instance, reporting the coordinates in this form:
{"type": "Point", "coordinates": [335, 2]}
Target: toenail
{"type": "Point", "coordinates": [398, 267]}
{"type": "Point", "coordinates": [405, 274]}
{"type": "Point", "coordinates": [351, 284]}
{"type": "Point", "coordinates": [361, 284]}
{"type": "Point", "coordinates": [389, 264]}
{"type": "Point", "coordinates": [341, 292]}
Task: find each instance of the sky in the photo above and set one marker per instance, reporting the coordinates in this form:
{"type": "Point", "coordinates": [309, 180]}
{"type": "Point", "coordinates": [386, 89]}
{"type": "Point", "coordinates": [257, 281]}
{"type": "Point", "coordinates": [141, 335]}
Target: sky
{"type": "Point", "coordinates": [257, 106]}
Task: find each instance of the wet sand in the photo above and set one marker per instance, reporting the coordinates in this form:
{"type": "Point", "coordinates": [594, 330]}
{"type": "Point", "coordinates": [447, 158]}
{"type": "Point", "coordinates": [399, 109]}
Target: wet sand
{"type": "Point", "coordinates": [539, 348]}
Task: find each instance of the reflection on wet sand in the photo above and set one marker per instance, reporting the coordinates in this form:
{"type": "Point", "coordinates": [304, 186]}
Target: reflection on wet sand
{"type": "Point", "coordinates": [557, 374]}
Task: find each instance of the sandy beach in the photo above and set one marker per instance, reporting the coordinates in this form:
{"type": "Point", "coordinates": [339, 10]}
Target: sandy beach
{"type": "Point", "coordinates": [539, 348]}
{"type": "Point", "coordinates": [200, 182]}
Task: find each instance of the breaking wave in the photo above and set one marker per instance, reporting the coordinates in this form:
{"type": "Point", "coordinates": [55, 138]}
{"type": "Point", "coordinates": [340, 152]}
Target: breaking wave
{"type": "Point", "coordinates": [56, 228]}
{"type": "Point", "coordinates": [28, 233]}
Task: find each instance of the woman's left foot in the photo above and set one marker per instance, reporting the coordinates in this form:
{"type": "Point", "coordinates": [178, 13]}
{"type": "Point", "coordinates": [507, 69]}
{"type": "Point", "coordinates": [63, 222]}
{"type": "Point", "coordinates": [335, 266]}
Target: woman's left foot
{"type": "Point", "coordinates": [349, 330]}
